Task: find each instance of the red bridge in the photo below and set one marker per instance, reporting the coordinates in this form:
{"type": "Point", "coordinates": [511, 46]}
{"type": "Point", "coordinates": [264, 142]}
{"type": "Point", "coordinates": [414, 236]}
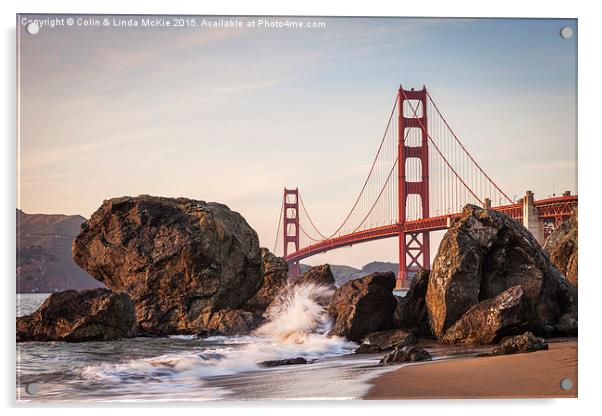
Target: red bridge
{"type": "Point", "coordinates": [421, 177]}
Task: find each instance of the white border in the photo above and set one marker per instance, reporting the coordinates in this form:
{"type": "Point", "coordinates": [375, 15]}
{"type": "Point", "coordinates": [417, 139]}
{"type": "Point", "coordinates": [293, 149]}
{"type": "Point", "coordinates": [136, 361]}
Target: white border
{"type": "Point", "coordinates": [589, 189]}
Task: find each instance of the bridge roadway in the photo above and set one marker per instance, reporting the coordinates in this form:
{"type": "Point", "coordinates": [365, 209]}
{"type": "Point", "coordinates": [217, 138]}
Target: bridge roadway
{"type": "Point", "coordinates": [557, 209]}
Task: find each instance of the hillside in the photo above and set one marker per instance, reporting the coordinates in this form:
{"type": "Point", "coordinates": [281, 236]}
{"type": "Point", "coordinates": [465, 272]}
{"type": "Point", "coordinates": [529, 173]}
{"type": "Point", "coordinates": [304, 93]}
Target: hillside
{"type": "Point", "coordinates": [343, 274]}
{"type": "Point", "coordinates": [44, 262]}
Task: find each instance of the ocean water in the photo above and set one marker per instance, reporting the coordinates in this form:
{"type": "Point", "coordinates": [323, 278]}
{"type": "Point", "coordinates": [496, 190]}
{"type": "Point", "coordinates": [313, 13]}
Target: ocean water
{"type": "Point", "coordinates": [185, 368]}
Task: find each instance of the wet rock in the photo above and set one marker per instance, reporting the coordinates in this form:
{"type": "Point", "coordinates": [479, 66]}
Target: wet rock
{"type": "Point", "coordinates": [151, 334]}
{"type": "Point", "coordinates": [411, 313]}
{"type": "Point", "coordinates": [483, 254]}
{"type": "Point", "coordinates": [390, 339]}
{"type": "Point", "coordinates": [406, 354]}
{"type": "Point", "coordinates": [488, 321]}
{"type": "Point", "coordinates": [567, 325]}
{"type": "Point", "coordinates": [364, 305]}
{"type": "Point", "coordinates": [275, 275]}
{"type": "Point", "coordinates": [368, 349]}
{"type": "Point", "coordinates": [71, 316]}
{"type": "Point", "coordinates": [562, 248]}
{"type": "Point", "coordinates": [179, 260]}
{"type": "Point", "coordinates": [287, 361]}
{"type": "Point", "coordinates": [526, 342]}
{"type": "Point", "coordinates": [232, 322]}
{"type": "Point", "coordinates": [319, 275]}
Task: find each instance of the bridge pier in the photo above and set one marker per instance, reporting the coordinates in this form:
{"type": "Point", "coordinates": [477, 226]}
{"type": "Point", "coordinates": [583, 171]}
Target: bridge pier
{"type": "Point", "coordinates": [531, 220]}
{"type": "Point", "coordinates": [414, 247]}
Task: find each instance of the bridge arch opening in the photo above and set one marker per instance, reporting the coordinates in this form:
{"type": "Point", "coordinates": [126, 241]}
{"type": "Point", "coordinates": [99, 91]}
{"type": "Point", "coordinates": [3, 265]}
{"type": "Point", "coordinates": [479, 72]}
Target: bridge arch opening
{"type": "Point", "coordinates": [413, 169]}
{"type": "Point", "coordinates": [409, 106]}
{"type": "Point", "coordinates": [413, 137]}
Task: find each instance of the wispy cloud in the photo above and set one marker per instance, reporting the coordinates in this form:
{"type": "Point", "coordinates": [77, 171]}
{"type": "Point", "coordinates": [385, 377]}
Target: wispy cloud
{"type": "Point", "coordinates": [249, 86]}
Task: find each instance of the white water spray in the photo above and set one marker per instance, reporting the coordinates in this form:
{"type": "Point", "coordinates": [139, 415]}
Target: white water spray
{"type": "Point", "coordinates": [297, 326]}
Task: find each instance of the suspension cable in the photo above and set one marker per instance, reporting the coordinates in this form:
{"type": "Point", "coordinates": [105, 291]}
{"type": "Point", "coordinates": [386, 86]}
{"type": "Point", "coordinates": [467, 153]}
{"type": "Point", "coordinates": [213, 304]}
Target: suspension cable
{"type": "Point", "coordinates": [379, 195]}
{"type": "Point", "coordinates": [279, 224]}
{"type": "Point", "coordinates": [309, 218]}
{"type": "Point", "coordinates": [439, 151]}
{"type": "Point", "coordinates": [371, 168]}
{"type": "Point", "coordinates": [463, 148]}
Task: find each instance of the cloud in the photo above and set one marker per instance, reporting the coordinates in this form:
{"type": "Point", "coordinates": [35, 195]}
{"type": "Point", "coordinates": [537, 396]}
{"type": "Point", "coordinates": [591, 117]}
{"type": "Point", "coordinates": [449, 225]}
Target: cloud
{"type": "Point", "coordinates": [250, 86]}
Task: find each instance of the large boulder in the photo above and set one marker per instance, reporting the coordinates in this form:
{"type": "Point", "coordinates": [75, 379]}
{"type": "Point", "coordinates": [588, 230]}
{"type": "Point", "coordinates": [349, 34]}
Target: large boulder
{"type": "Point", "coordinates": [317, 275]}
{"type": "Point", "coordinates": [490, 320]}
{"type": "Point", "coordinates": [71, 316]}
{"type": "Point", "coordinates": [562, 248]}
{"type": "Point", "coordinates": [410, 313]}
{"type": "Point", "coordinates": [363, 305]}
{"type": "Point", "coordinates": [180, 260]}
{"type": "Point", "coordinates": [483, 254]}
{"type": "Point", "coordinates": [275, 276]}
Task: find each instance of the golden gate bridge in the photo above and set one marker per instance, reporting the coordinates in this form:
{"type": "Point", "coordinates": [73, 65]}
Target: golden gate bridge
{"type": "Point", "coordinates": [420, 179]}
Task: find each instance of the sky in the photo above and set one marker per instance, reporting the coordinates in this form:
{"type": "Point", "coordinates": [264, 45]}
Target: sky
{"type": "Point", "coordinates": [235, 115]}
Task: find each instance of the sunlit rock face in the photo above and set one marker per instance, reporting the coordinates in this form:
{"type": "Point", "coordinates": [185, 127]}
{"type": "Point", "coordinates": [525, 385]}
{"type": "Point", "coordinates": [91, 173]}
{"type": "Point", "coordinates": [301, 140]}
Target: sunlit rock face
{"type": "Point", "coordinates": [179, 260]}
{"type": "Point", "coordinates": [483, 254]}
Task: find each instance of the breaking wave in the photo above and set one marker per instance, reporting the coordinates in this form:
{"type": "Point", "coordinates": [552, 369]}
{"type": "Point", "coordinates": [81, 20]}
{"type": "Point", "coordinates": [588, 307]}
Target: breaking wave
{"type": "Point", "coordinates": [297, 326]}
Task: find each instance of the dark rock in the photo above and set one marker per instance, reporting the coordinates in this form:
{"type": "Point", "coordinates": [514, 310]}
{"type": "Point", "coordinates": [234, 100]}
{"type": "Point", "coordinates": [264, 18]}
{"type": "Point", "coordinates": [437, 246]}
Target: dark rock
{"type": "Point", "coordinates": [150, 334]}
{"type": "Point", "coordinates": [526, 342]}
{"type": "Point", "coordinates": [275, 275]}
{"type": "Point", "coordinates": [232, 322]}
{"type": "Point", "coordinates": [488, 321]}
{"type": "Point", "coordinates": [406, 354]}
{"type": "Point", "coordinates": [180, 260]}
{"type": "Point", "coordinates": [411, 313]}
{"type": "Point", "coordinates": [367, 349]}
{"type": "Point", "coordinates": [562, 248]}
{"type": "Point", "coordinates": [318, 275]}
{"type": "Point", "coordinates": [390, 339]}
{"type": "Point", "coordinates": [567, 325]}
{"type": "Point", "coordinates": [362, 306]}
{"type": "Point", "coordinates": [483, 254]}
{"type": "Point", "coordinates": [287, 361]}
{"type": "Point", "coordinates": [71, 316]}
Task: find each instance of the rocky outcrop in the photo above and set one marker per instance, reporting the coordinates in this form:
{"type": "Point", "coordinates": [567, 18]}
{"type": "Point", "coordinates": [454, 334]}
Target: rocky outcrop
{"type": "Point", "coordinates": [275, 275]}
{"type": "Point", "coordinates": [411, 313]}
{"type": "Point", "coordinates": [71, 316]}
{"type": "Point", "coordinates": [488, 321]}
{"type": "Point", "coordinates": [526, 342]}
{"type": "Point", "coordinates": [562, 248]}
{"type": "Point", "coordinates": [406, 354]}
{"type": "Point", "coordinates": [318, 275]}
{"type": "Point", "coordinates": [485, 253]}
{"type": "Point", "coordinates": [179, 260]}
{"type": "Point", "coordinates": [390, 339]}
{"type": "Point", "coordinates": [362, 306]}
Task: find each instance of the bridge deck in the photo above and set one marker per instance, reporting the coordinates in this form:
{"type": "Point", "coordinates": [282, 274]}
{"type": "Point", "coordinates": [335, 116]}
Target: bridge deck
{"type": "Point", "coordinates": [550, 208]}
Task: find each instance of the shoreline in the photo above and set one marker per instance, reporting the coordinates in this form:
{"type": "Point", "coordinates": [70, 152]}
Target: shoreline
{"type": "Point", "coordinates": [530, 375]}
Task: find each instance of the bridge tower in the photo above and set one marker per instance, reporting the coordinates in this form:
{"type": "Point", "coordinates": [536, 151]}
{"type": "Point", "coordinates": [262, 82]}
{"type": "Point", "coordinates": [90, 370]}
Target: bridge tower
{"type": "Point", "coordinates": [414, 248]}
{"type": "Point", "coordinates": [291, 228]}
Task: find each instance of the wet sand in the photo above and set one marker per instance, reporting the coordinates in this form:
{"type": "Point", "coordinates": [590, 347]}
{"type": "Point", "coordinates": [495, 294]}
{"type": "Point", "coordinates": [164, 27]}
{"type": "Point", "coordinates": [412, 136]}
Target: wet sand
{"type": "Point", "coordinates": [530, 375]}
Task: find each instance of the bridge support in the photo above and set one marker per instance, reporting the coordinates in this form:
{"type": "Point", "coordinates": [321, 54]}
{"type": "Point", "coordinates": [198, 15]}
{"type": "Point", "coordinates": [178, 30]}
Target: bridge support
{"type": "Point", "coordinates": [531, 219]}
{"type": "Point", "coordinates": [291, 228]}
{"type": "Point", "coordinates": [414, 248]}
